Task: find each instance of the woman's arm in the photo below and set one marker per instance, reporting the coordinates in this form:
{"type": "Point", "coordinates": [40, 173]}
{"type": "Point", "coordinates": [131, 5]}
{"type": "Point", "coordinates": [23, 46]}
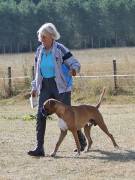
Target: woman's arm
{"type": "Point", "coordinates": [33, 83]}
{"type": "Point", "coordinates": [69, 59]}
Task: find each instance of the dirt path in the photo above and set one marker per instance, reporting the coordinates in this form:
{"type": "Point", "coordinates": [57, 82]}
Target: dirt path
{"type": "Point", "coordinates": [103, 162]}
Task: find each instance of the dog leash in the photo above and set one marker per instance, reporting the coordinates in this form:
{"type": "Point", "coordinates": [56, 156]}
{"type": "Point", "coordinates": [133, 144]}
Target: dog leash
{"type": "Point", "coordinates": [82, 84]}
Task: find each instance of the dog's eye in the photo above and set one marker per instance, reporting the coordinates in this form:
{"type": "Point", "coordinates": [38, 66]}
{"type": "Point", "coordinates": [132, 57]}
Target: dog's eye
{"type": "Point", "coordinates": [46, 109]}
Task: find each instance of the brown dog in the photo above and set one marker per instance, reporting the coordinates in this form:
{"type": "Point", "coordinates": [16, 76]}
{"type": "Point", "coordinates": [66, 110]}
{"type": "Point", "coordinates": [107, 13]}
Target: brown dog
{"type": "Point", "coordinates": [74, 118]}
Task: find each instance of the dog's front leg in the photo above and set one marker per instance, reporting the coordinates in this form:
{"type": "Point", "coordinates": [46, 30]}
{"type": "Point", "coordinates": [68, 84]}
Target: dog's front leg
{"type": "Point", "coordinates": [74, 132]}
{"type": "Point", "coordinates": [61, 137]}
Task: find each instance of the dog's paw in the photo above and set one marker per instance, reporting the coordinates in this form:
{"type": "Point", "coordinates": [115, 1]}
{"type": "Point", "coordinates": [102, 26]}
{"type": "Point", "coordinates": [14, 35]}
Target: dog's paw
{"type": "Point", "coordinates": [86, 151]}
{"type": "Point", "coordinates": [117, 147]}
{"type": "Point", "coordinates": [53, 154]}
{"type": "Point", "coordinates": [77, 155]}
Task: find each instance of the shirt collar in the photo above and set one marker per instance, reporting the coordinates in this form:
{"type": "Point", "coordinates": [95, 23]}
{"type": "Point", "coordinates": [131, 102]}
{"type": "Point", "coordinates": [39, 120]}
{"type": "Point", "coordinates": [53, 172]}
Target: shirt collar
{"type": "Point", "coordinates": [50, 50]}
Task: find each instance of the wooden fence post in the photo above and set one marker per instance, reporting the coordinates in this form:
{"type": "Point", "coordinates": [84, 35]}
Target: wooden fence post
{"type": "Point", "coordinates": [92, 42]}
{"type": "Point", "coordinates": [115, 75]}
{"type": "Point", "coordinates": [9, 82]}
{"type": "Point", "coordinates": [32, 72]}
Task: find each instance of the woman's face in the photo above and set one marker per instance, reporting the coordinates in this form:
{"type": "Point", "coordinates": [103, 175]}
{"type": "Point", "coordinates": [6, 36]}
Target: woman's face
{"type": "Point", "coordinates": [47, 40]}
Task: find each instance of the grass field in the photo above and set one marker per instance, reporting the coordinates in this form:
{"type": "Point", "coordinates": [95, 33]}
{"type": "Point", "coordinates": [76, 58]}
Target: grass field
{"type": "Point", "coordinates": [103, 162]}
{"type": "Point", "coordinates": [94, 62]}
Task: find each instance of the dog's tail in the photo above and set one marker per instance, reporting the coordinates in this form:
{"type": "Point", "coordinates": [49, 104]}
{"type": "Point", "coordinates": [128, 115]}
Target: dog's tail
{"type": "Point", "coordinates": [101, 98]}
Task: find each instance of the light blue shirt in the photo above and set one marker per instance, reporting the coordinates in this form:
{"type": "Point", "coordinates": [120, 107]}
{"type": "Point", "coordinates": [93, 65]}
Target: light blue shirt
{"type": "Point", "coordinates": [47, 66]}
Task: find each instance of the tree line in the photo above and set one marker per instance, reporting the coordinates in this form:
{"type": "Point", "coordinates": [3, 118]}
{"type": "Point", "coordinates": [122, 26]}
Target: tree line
{"type": "Point", "coordinates": [81, 23]}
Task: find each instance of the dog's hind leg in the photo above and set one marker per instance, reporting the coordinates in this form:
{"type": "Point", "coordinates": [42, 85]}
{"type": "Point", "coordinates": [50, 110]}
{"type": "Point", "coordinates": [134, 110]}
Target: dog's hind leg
{"type": "Point", "coordinates": [104, 128]}
{"type": "Point", "coordinates": [87, 129]}
{"type": "Point", "coordinates": [61, 137]}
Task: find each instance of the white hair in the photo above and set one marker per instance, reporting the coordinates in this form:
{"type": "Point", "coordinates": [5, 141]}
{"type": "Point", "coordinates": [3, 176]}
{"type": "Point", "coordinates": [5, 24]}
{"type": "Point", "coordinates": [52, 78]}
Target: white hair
{"type": "Point", "coordinates": [48, 28]}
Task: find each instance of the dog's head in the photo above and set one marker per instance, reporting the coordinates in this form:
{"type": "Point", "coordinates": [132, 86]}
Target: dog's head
{"type": "Point", "coordinates": [49, 106]}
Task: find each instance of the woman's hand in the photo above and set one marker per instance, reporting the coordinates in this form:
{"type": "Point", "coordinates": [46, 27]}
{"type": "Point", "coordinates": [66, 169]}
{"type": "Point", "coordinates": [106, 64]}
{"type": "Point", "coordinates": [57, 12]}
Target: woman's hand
{"type": "Point", "coordinates": [73, 72]}
{"type": "Point", "coordinates": [33, 93]}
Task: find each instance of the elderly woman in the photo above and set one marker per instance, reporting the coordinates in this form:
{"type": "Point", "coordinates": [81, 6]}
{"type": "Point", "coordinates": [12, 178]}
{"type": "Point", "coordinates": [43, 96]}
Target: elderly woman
{"type": "Point", "coordinates": [54, 68]}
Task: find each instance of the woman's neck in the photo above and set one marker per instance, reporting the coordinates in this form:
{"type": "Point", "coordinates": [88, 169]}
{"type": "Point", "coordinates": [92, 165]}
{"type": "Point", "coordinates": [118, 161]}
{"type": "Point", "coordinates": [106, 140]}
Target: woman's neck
{"type": "Point", "coordinates": [49, 46]}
